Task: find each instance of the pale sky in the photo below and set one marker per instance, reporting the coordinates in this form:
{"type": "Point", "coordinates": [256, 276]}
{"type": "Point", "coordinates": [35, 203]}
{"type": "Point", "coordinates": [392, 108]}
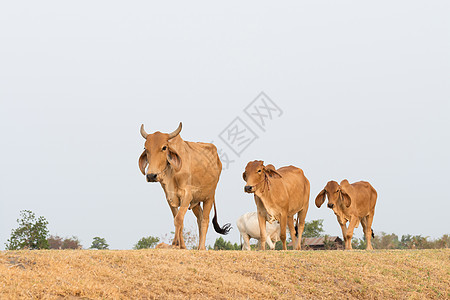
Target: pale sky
{"type": "Point", "coordinates": [364, 90]}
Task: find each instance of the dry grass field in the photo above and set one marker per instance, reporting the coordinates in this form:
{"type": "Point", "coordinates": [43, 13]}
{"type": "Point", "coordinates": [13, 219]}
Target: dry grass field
{"type": "Point", "coordinates": [172, 274]}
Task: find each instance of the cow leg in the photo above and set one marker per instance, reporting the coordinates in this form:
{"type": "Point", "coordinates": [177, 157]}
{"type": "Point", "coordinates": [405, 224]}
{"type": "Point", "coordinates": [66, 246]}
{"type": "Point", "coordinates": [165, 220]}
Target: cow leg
{"type": "Point", "coordinates": [283, 221]}
{"type": "Point", "coordinates": [246, 238]}
{"type": "Point", "coordinates": [301, 216]}
{"type": "Point", "coordinates": [179, 219]}
{"type": "Point", "coordinates": [368, 231]}
{"type": "Point", "coordinates": [349, 235]}
{"type": "Point", "coordinates": [174, 211]}
{"type": "Point", "coordinates": [207, 205]}
{"type": "Point", "coordinates": [269, 242]}
{"type": "Point", "coordinates": [185, 201]}
{"type": "Point", "coordinates": [290, 223]}
{"type": "Point", "coordinates": [181, 237]}
{"type": "Point", "coordinates": [197, 210]}
{"type": "Point", "coordinates": [364, 226]}
{"type": "Point", "coordinates": [344, 232]}
{"type": "Point", "coordinates": [262, 231]}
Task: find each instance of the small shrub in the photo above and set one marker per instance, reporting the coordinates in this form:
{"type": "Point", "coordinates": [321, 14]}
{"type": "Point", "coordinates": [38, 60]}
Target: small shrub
{"type": "Point", "coordinates": [31, 234]}
{"type": "Point", "coordinates": [146, 243]}
{"type": "Point", "coordinates": [99, 243]}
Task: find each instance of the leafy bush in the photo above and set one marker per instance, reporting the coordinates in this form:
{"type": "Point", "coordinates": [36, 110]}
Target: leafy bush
{"type": "Point", "coordinates": [57, 242]}
{"type": "Point", "coordinates": [31, 234]}
{"type": "Point", "coordinates": [99, 243]}
{"type": "Point", "coordinates": [407, 241]}
{"type": "Point", "coordinates": [313, 228]}
{"type": "Point", "coordinates": [146, 243]}
{"type": "Point", "coordinates": [221, 244]}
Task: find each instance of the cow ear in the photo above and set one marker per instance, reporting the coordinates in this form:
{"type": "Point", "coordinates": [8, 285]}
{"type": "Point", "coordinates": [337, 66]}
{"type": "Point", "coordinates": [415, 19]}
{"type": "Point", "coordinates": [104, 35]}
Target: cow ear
{"type": "Point", "coordinates": [320, 199]}
{"type": "Point", "coordinates": [270, 167]}
{"type": "Point", "coordinates": [270, 170]}
{"type": "Point", "coordinates": [244, 176]}
{"type": "Point", "coordinates": [174, 159]}
{"type": "Point", "coordinates": [143, 162]}
{"type": "Point", "coordinates": [345, 197]}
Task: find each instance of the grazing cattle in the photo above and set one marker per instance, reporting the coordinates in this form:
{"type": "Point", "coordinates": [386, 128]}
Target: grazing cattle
{"type": "Point", "coordinates": [188, 173]}
{"type": "Point", "coordinates": [279, 195]}
{"type": "Point", "coordinates": [351, 202]}
{"type": "Point", "coordinates": [249, 228]}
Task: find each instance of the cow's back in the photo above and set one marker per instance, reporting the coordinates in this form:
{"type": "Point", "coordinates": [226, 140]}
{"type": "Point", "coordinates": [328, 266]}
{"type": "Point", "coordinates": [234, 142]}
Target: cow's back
{"type": "Point", "coordinates": [364, 195]}
{"type": "Point", "coordinates": [297, 186]}
{"type": "Point", "coordinates": [204, 167]}
{"type": "Point", "coordinates": [205, 153]}
{"type": "Point", "coordinates": [248, 224]}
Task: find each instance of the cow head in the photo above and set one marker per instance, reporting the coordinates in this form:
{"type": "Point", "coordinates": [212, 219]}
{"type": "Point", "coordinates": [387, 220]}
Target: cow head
{"type": "Point", "coordinates": [159, 154]}
{"type": "Point", "coordinates": [336, 195]}
{"type": "Point", "coordinates": [257, 175]}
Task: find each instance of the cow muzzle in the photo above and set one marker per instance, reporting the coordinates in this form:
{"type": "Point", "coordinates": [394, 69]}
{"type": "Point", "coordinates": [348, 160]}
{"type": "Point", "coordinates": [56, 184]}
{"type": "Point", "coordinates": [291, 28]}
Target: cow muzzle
{"type": "Point", "coordinates": [152, 177]}
{"type": "Point", "coordinates": [248, 189]}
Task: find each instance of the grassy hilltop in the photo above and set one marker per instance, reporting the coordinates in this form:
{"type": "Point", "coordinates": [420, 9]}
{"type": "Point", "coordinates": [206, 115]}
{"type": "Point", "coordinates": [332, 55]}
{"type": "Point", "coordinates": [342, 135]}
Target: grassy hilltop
{"type": "Point", "coordinates": [88, 274]}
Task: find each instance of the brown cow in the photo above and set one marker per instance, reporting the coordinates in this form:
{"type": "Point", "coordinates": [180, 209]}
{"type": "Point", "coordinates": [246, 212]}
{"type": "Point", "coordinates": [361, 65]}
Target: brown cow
{"type": "Point", "coordinates": [351, 202]}
{"type": "Point", "coordinates": [279, 195]}
{"type": "Point", "coordinates": [188, 173]}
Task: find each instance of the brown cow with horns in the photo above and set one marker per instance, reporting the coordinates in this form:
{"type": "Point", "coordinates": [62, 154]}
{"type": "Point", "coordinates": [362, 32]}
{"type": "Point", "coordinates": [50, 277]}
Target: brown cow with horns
{"type": "Point", "coordinates": [188, 173]}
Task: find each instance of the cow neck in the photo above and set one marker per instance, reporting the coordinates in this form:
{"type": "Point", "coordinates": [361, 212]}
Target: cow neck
{"type": "Point", "coordinates": [342, 211]}
{"type": "Point", "coordinates": [266, 183]}
{"type": "Point", "coordinates": [176, 141]}
{"type": "Point", "coordinates": [169, 187]}
{"type": "Point", "coordinates": [266, 200]}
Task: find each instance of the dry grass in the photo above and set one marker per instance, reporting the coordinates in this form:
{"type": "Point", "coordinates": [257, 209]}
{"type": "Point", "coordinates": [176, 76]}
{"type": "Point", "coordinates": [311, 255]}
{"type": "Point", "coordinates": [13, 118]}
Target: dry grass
{"type": "Point", "coordinates": [142, 274]}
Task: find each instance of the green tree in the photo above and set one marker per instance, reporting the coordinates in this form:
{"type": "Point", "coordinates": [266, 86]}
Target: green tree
{"type": "Point", "coordinates": [443, 242]}
{"type": "Point", "coordinates": [359, 243]}
{"type": "Point", "coordinates": [415, 242]}
{"type": "Point", "coordinates": [221, 244]}
{"type": "Point", "coordinates": [99, 243]}
{"type": "Point", "coordinates": [406, 241]}
{"type": "Point", "coordinates": [31, 234]}
{"type": "Point", "coordinates": [421, 242]}
{"type": "Point", "coordinates": [313, 229]}
{"type": "Point", "coordinates": [146, 243]}
{"type": "Point", "coordinates": [386, 241]}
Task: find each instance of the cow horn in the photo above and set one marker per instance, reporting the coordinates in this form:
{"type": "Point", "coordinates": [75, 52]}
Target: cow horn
{"type": "Point", "coordinates": [143, 133]}
{"type": "Point", "coordinates": [176, 132]}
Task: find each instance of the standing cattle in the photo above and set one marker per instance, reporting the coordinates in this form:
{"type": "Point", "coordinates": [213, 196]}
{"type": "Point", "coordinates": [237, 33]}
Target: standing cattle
{"type": "Point", "coordinates": [249, 228]}
{"type": "Point", "coordinates": [279, 195]}
{"type": "Point", "coordinates": [188, 173]}
{"type": "Point", "coordinates": [351, 202]}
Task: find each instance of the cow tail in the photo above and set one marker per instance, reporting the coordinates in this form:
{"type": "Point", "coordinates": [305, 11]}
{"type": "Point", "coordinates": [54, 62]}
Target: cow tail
{"type": "Point", "coordinates": [240, 240]}
{"type": "Point", "coordinates": [296, 227]}
{"type": "Point", "coordinates": [373, 235]}
{"type": "Point", "coordinates": [222, 230]}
